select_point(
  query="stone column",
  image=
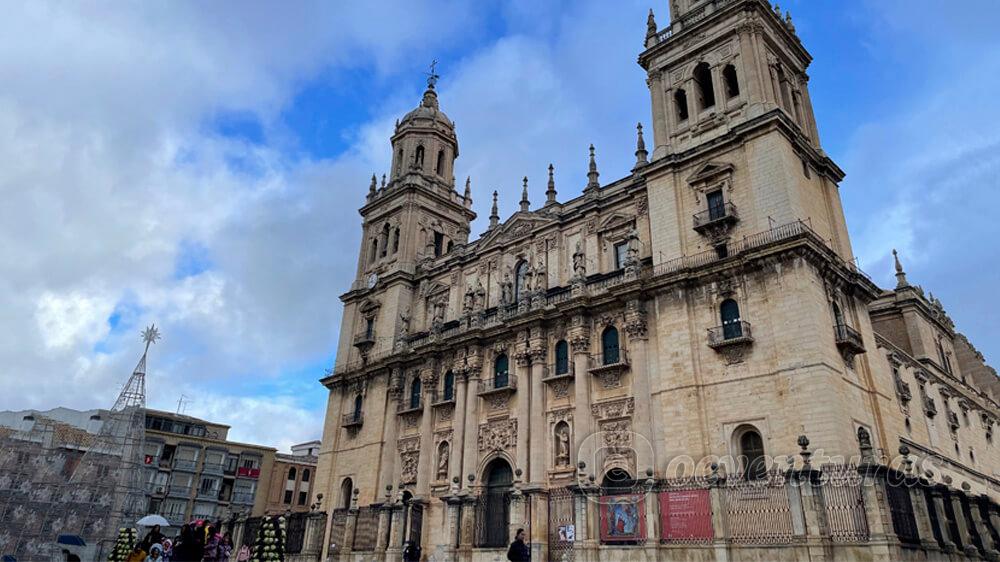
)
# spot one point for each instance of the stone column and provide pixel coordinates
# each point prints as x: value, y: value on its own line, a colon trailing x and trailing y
x: 754, y: 69
x: 656, y: 91
x: 470, y: 446
x: 426, y: 435
x: 397, y: 517
x: 882, y: 537
x: 536, y: 430
x: 720, y: 532
x: 989, y: 545
x: 921, y: 514
x: 384, y: 521
x: 962, y: 524
x: 453, y: 508
x: 518, y: 503
x: 467, y: 523
x: 804, y: 485
x: 583, y: 427
x: 350, y: 526
x: 389, y: 433
x: 938, y: 494
x: 636, y: 328
x: 458, y: 429
x: 523, y: 360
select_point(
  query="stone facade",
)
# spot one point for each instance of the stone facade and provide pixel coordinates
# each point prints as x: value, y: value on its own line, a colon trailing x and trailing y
x: 704, y: 310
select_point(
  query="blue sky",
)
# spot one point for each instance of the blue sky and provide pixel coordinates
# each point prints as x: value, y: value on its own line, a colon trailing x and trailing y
x: 200, y: 166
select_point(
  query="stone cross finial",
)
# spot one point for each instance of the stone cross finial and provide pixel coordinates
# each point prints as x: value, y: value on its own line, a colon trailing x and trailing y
x: 550, y: 193
x: 432, y: 77
x: 373, y: 187
x: 468, y: 190
x: 525, y: 204
x: 900, y: 274
x: 650, y: 24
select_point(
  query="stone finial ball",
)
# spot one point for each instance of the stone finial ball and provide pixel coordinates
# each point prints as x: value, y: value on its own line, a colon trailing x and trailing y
x: 904, y: 450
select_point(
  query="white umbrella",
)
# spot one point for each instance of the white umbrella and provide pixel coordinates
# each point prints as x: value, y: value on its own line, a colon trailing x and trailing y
x: 150, y: 520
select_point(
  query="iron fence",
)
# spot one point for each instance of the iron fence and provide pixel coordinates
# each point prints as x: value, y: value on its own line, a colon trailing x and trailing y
x: 845, y: 504
x: 904, y: 522
x: 758, y: 510
x: 492, y: 518
x: 337, y: 528
x: 562, y: 527
x: 366, y: 529
x: 250, y: 529
x: 295, y: 533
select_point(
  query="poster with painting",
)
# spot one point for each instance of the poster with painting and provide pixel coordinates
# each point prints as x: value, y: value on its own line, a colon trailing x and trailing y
x: 567, y: 533
x: 623, y: 518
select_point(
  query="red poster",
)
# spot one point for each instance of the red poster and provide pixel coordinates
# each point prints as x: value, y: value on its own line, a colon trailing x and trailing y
x: 623, y: 518
x: 686, y: 515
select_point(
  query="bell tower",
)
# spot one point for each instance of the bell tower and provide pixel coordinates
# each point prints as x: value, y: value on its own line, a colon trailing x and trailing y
x: 732, y: 117
x: 411, y: 219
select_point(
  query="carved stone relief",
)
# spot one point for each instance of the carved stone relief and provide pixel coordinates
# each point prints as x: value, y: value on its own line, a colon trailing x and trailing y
x: 497, y: 435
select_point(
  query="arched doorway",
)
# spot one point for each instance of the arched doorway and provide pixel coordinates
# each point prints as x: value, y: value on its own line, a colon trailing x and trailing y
x: 617, y: 481
x: 346, y: 489
x: 493, y: 513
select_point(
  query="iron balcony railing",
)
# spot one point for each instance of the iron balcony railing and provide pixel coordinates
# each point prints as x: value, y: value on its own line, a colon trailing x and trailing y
x: 716, y: 214
x: 353, y: 419
x: 243, y: 497
x: 499, y: 383
x: 730, y: 333
x: 610, y: 358
x: 213, y: 468
x: 177, y: 490
x: 184, y: 464
x: 364, y: 339
x: 556, y: 370
x: 411, y: 404
x: 848, y: 337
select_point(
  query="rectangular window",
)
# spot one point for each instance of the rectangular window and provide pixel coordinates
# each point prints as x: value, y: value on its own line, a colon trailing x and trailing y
x: 716, y: 205
x: 621, y: 251
x: 722, y: 251
x: 303, y: 497
x: 288, y: 496
x: 438, y: 243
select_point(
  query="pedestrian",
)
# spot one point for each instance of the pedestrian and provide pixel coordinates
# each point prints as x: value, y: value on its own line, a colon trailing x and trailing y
x: 226, y: 547
x: 154, y: 536
x: 137, y: 554
x: 519, y: 551
x: 213, y: 545
x: 155, y: 553
x: 411, y: 552
x: 168, y: 550
x: 243, y: 555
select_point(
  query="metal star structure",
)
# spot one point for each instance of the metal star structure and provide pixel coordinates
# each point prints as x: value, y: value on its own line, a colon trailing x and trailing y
x: 150, y: 335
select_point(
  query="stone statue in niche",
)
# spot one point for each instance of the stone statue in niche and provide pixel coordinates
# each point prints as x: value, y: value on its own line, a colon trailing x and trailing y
x: 506, y: 289
x: 404, y: 322
x: 479, y: 300
x: 541, y: 277
x: 562, y: 445
x: 442, y: 465
x: 469, y: 301
x: 579, y: 262
x: 632, y: 253
x: 438, y: 312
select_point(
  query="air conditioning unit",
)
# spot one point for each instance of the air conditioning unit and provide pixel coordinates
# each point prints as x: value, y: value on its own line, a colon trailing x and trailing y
x: 159, y: 490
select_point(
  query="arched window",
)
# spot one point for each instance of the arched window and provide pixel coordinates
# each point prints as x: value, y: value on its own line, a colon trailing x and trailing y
x: 291, y: 474
x: 617, y: 481
x: 374, y: 252
x: 358, y: 401
x: 751, y: 446
x: 305, y: 474
x: 498, y: 478
x: 729, y: 312
x: 346, y: 489
x: 418, y: 158
x: 399, y: 162
x: 520, y: 275
x: 395, y: 240
x: 440, y: 163
x: 681, y: 104
x: 562, y: 357
x: 782, y: 88
x: 448, y: 248
x: 384, y: 239
x: 610, y: 351
x: 501, y: 371
x: 449, y: 386
x: 415, y: 393
x: 703, y: 80
x: 732, y: 83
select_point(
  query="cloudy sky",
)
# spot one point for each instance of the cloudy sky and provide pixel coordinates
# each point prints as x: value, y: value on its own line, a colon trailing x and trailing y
x: 200, y: 166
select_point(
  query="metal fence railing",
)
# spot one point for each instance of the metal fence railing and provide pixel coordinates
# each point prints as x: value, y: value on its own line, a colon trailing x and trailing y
x: 845, y: 505
x: 758, y: 511
x: 366, y: 529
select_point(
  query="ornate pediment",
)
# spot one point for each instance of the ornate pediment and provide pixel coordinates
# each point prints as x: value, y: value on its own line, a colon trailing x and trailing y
x: 430, y: 288
x: 711, y: 172
x: 369, y: 306
x: 521, y: 225
x: 617, y: 221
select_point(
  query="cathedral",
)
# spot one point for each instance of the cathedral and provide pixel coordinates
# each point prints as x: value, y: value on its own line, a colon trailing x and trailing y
x: 682, y: 363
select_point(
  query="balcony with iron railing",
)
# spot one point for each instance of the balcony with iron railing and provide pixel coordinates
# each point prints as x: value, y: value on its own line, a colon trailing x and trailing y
x: 559, y: 371
x: 213, y: 467
x: 211, y: 494
x: 716, y: 216
x: 410, y: 404
x: 352, y: 420
x: 497, y: 384
x: 608, y: 360
x: 177, y: 490
x: 443, y: 399
x: 245, y: 498
x: 364, y: 340
x: 732, y: 333
x: 188, y: 465
x: 848, y: 339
